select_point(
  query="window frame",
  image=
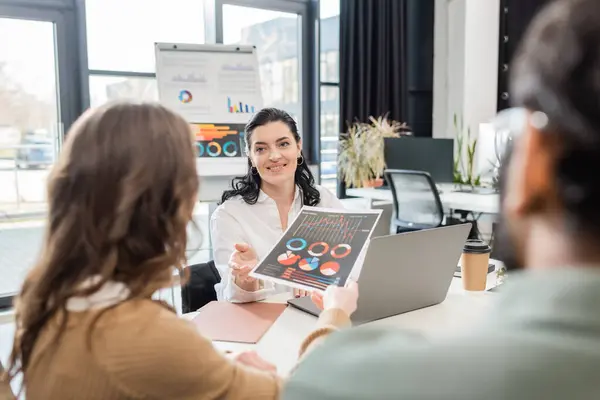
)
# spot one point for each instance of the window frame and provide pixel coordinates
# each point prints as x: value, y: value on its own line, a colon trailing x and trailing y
x: 322, y: 84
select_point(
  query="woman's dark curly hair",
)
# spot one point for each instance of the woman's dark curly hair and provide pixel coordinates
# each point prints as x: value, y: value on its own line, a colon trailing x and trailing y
x: 248, y: 186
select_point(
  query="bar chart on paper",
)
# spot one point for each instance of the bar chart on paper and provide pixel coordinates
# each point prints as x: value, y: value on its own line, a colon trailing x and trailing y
x: 319, y: 249
x: 339, y: 228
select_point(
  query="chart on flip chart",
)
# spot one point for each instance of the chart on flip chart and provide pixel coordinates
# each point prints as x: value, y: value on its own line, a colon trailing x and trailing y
x: 219, y: 140
x: 216, y: 88
x: 320, y: 248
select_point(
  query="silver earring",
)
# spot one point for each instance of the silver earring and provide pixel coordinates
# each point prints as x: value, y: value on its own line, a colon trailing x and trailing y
x: 301, y: 160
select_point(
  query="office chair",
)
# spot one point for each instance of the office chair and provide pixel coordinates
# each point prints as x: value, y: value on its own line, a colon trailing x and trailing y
x: 417, y: 203
x: 200, y: 288
x: 383, y: 227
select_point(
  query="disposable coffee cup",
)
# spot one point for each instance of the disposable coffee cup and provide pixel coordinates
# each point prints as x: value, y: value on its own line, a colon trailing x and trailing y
x: 474, y: 265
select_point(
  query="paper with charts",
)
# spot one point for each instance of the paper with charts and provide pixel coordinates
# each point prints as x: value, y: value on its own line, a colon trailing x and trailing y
x: 320, y: 248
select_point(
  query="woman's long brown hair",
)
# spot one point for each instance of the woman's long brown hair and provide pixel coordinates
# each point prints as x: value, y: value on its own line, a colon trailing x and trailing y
x: 120, y: 198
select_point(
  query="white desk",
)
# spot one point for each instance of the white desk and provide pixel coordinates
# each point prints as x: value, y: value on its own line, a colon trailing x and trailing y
x: 281, y: 342
x: 481, y: 203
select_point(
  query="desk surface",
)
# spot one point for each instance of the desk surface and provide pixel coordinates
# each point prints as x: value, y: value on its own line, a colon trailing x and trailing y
x: 282, y: 341
x: 481, y: 203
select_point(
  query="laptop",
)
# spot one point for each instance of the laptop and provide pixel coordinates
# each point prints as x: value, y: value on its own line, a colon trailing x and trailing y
x: 404, y: 272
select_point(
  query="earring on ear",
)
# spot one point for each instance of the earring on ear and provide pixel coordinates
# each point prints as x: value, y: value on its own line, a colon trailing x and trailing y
x: 301, y: 160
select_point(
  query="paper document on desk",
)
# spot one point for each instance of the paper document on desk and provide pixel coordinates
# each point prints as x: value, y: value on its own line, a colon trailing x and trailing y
x: 320, y: 248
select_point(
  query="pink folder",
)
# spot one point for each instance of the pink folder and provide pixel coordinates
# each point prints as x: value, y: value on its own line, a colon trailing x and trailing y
x: 242, y: 323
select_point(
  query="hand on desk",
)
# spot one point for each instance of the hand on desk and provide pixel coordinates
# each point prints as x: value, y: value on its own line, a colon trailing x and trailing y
x: 344, y: 298
x: 252, y: 359
x: 241, y: 262
x: 300, y: 293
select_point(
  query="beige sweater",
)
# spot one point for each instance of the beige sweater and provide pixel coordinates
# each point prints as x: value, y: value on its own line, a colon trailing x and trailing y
x: 140, y: 350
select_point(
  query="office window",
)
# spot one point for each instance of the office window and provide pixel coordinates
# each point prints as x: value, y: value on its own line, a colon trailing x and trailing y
x: 290, y: 81
x: 30, y: 121
x: 120, y: 43
x: 29, y: 113
x: 275, y: 81
x: 121, y: 33
x: 277, y: 37
x: 108, y: 88
x: 330, y: 122
x: 330, y: 70
x: 329, y: 93
x: 268, y: 88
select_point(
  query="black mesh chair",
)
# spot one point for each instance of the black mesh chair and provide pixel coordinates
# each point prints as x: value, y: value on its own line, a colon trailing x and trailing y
x: 417, y: 203
x: 200, y: 289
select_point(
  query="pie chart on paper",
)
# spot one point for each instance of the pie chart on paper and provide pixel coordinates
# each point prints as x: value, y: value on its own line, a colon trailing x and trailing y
x: 309, y: 264
x: 330, y: 268
x: 288, y: 258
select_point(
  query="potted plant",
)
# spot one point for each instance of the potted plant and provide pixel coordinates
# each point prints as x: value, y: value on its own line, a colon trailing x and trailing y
x: 361, y: 159
x: 464, y: 177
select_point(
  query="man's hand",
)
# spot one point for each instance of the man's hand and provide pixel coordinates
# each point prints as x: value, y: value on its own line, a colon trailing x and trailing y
x: 343, y: 298
x: 300, y: 293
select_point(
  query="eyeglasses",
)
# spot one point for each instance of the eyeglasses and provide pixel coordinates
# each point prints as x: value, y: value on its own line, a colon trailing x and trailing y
x: 511, y: 123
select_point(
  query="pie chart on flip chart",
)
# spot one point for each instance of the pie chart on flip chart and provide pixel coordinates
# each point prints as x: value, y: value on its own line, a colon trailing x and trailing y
x: 330, y: 268
x: 288, y: 258
x: 309, y: 264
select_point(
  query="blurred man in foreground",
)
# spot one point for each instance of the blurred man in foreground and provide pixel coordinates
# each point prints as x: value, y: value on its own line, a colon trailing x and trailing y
x: 542, y: 341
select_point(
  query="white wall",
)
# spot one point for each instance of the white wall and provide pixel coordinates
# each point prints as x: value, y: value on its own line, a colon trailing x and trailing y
x: 465, y: 63
x: 481, y: 61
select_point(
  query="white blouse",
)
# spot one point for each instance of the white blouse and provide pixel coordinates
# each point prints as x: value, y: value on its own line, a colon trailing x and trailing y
x: 258, y: 225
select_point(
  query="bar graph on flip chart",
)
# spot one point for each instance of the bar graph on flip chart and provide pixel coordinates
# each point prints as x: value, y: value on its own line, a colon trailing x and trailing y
x: 320, y: 248
x: 234, y: 107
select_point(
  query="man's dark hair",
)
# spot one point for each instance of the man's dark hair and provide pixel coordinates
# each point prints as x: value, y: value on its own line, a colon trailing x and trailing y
x: 557, y: 72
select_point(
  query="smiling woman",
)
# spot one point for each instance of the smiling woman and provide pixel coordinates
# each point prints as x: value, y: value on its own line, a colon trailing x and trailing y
x: 275, y: 160
x: 255, y: 213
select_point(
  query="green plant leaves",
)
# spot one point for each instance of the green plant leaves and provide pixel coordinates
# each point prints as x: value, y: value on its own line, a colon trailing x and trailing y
x: 361, y: 156
x: 461, y: 174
